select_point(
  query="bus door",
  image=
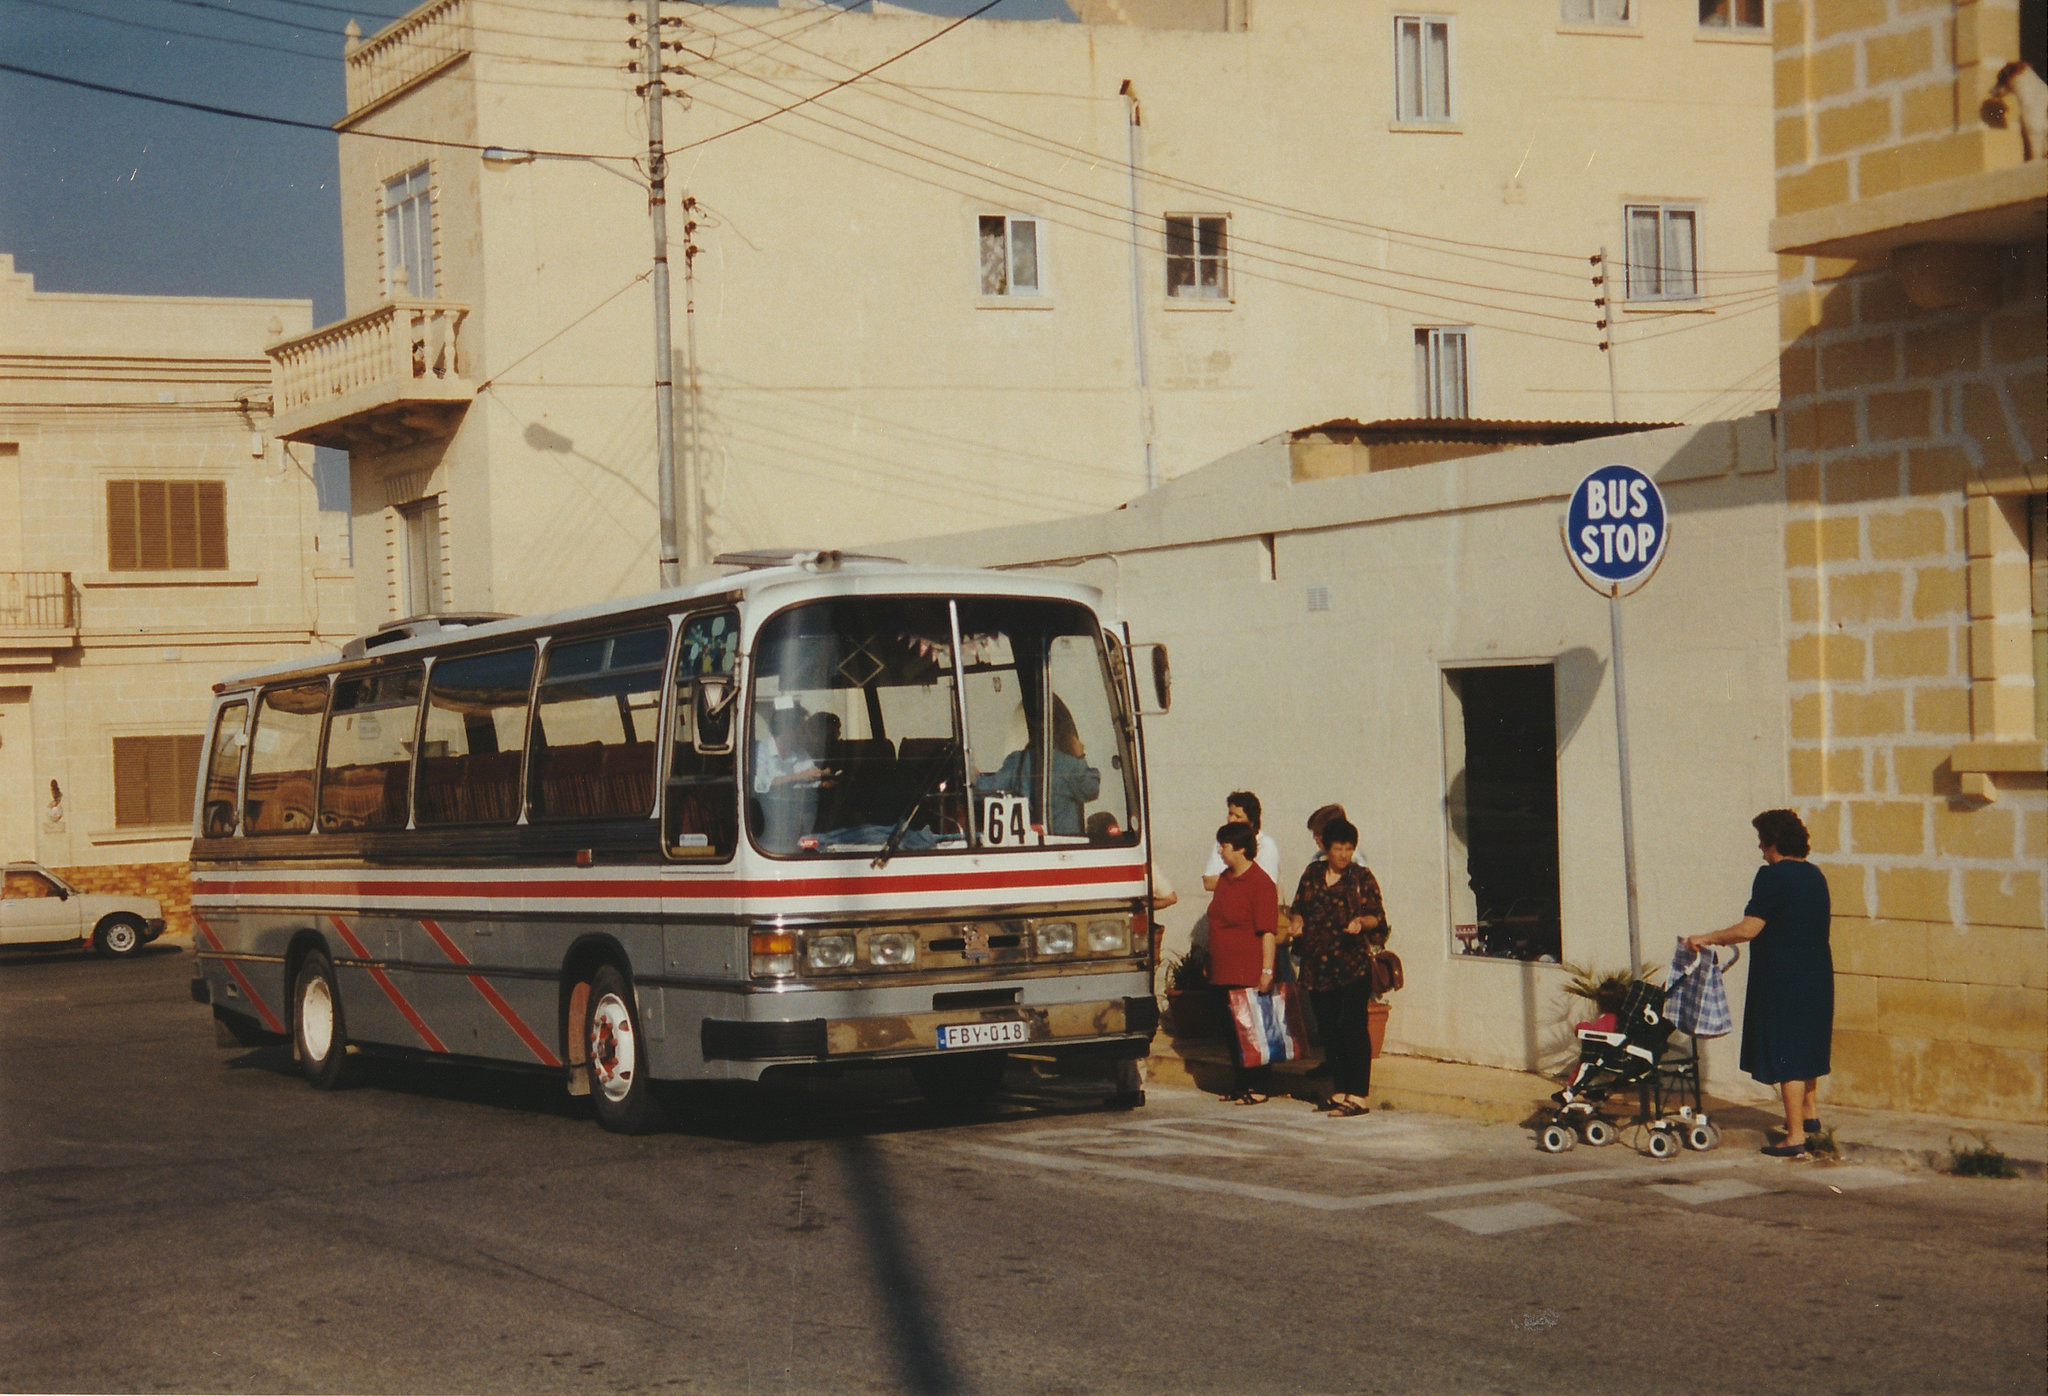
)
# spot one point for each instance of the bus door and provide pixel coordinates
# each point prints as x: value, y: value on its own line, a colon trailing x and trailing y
x: 700, y: 800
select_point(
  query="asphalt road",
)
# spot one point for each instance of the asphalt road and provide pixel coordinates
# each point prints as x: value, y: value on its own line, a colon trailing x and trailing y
x: 176, y: 1217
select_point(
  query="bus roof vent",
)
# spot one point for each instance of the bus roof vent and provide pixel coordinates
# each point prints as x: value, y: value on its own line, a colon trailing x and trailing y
x: 415, y: 627
x: 810, y: 559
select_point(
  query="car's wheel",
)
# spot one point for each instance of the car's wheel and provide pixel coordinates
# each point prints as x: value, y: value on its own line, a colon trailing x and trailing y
x: 1556, y: 1139
x: 958, y: 1084
x: 118, y: 936
x: 1662, y: 1143
x: 1598, y: 1133
x: 619, y: 1084
x: 319, y: 1034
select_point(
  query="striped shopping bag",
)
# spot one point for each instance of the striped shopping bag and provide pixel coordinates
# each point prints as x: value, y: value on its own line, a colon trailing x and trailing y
x: 1268, y: 1026
x: 1697, y: 1002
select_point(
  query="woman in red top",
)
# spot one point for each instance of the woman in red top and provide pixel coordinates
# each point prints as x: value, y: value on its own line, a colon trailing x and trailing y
x: 1244, y: 918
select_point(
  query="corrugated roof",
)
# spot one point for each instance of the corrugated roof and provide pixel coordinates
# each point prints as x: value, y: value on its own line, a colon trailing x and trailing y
x: 1390, y: 431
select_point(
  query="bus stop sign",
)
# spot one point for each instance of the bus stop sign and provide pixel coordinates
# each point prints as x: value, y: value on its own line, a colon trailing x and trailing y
x: 1616, y: 529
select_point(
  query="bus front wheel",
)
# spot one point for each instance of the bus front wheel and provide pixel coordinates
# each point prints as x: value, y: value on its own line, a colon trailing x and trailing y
x: 619, y: 1085
x: 956, y: 1084
x: 318, y: 1032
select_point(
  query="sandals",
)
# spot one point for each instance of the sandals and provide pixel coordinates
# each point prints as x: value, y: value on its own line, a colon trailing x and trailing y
x: 1785, y: 1151
x: 1247, y: 1097
x: 1345, y: 1110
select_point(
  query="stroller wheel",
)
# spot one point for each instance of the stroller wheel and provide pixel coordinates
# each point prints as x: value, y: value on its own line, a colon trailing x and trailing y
x: 1556, y: 1139
x: 1663, y: 1143
x: 1597, y: 1132
x: 1702, y: 1137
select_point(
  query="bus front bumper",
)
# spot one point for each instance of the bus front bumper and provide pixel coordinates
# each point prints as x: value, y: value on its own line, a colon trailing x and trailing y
x: 1026, y: 1027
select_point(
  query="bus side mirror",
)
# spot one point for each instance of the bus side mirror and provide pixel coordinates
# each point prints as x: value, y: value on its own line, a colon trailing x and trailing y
x: 711, y: 715
x: 1153, y: 659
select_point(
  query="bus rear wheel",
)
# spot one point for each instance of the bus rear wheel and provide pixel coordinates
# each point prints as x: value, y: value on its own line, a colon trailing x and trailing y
x: 959, y: 1084
x: 319, y: 1036
x: 619, y: 1084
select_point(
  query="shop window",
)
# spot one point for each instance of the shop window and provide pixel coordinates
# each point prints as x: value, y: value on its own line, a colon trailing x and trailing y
x: 1500, y: 770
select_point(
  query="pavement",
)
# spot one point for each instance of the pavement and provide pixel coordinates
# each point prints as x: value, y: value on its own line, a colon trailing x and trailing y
x: 1494, y: 1095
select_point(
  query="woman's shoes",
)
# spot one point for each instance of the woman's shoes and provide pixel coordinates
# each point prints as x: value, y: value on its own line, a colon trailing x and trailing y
x: 1812, y: 1126
x: 1246, y: 1098
x: 1789, y: 1151
x: 1346, y: 1109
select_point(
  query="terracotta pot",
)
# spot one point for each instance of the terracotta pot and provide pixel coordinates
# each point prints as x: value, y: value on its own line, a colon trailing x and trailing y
x: 1376, y: 1023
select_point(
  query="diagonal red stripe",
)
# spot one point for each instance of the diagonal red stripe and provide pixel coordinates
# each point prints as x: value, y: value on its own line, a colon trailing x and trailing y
x: 419, y: 1024
x: 269, y: 1019
x: 491, y: 996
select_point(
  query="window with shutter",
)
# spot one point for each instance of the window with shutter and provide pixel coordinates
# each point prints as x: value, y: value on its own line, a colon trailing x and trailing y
x: 154, y: 779
x: 166, y: 525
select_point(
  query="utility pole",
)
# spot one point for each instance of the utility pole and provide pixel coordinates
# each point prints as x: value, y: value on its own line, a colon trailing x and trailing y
x: 664, y: 371
x: 696, y: 544
x: 1603, y: 301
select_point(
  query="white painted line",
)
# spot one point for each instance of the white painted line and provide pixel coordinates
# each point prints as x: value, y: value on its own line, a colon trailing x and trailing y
x: 1330, y: 1202
x: 1504, y: 1216
x: 1709, y: 1190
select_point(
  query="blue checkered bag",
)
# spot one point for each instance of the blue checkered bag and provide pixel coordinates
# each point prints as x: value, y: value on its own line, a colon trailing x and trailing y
x: 1696, y: 1001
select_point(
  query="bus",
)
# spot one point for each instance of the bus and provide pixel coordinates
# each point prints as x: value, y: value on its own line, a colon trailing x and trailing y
x: 823, y: 811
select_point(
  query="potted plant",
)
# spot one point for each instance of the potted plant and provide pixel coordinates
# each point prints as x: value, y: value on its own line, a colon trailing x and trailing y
x: 1191, y: 1008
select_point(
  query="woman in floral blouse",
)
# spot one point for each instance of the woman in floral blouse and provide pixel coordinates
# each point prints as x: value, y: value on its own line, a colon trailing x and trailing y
x: 1339, y: 923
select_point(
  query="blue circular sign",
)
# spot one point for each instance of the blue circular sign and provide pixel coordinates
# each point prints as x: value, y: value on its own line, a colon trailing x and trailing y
x: 1616, y: 527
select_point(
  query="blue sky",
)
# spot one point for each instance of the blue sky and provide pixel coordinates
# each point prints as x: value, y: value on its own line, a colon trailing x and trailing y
x: 103, y: 193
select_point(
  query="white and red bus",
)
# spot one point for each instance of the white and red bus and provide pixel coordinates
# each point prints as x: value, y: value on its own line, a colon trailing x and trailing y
x: 822, y: 810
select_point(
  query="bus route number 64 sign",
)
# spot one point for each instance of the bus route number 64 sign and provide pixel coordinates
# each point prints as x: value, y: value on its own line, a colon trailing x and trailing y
x: 1616, y: 529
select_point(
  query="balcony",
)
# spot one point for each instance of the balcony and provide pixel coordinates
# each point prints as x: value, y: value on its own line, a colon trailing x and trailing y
x: 394, y: 377
x: 435, y: 36
x: 38, y: 616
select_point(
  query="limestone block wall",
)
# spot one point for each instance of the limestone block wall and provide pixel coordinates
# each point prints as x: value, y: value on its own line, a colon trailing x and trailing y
x: 1912, y: 438
x: 169, y: 883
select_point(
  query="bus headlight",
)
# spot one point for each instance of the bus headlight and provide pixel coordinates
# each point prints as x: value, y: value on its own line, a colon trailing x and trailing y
x: 892, y: 948
x: 773, y: 953
x: 1056, y: 938
x: 1109, y: 937
x: 828, y: 952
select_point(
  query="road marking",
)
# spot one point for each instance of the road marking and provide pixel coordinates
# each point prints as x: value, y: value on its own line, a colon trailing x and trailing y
x: 1327, y: 1202
x: 1504, y: 1216
x: 1709, y: 1190
x: 1236, y: 1138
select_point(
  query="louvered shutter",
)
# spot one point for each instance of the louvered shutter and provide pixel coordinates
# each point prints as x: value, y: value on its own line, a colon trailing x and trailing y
x: 123, y: 553
x: 131, y: 781
x: 213, y: 524
x: 152, y: 510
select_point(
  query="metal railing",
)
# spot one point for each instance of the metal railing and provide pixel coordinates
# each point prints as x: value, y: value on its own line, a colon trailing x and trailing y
x: 37, y: 601
x: 408, y: 50
x: 401, y: 341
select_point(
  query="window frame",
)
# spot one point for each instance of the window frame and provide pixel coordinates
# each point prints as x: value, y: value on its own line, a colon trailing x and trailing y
x: 208, y: 758
x: 409, y: 572
x: 1428, y: 387
x: 1664, y: 209
x: 254, y: 729
x: 1226, y: 284
x: 1011, y: 288
x: 175, y: 819
x: 207, y: 496
x: 1454, y: 706
x: 532, y: 771
x: 1422, y: 119
x: 1733, y: 24
x: 414, y: 187
x: 1630, y: 22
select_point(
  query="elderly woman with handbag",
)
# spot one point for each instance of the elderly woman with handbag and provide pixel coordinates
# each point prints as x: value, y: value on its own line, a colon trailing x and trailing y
x: 1339, y: 923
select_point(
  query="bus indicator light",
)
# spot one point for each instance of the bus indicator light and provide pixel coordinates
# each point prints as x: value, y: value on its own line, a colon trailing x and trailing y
x: 774, y: 953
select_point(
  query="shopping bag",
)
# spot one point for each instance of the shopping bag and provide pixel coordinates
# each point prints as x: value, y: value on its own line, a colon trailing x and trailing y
x: 1268, y: 1026
x: 1697, y: 1001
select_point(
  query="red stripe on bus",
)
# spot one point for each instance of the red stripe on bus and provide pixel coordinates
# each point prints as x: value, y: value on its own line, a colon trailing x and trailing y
x: 419, y: 1024
x: 589, y: 890
x: 269, y: 1018
x: 491, y: 996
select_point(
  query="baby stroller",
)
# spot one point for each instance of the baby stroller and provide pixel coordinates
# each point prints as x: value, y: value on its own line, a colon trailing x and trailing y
x: 1636, y: 1055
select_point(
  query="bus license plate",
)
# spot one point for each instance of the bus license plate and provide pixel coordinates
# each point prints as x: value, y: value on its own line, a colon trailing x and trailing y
x: 982, y: 1034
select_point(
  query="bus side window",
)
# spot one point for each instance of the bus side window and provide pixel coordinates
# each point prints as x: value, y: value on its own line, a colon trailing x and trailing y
x: 364, y: 781
x: 279, y: 799
x: 224, y: 771
x: 473, y: 738
x: 700, y: 808
x: 593, y: 732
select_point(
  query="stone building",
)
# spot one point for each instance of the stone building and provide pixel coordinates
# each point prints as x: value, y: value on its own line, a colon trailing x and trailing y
x: 1020, y: 270
x: 1910, y: 231
x: 154, y: 537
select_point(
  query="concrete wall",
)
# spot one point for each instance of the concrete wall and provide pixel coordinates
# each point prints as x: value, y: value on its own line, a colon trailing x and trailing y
x: 1913, y: 437
x: 850, y: 376
x: 99, y: 388
x: 1445, y: 565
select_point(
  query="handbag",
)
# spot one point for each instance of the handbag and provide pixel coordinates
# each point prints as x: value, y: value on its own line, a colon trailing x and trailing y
x: 1697, y: 1001
x: 1268, y: 1026
x: 1386, y: 972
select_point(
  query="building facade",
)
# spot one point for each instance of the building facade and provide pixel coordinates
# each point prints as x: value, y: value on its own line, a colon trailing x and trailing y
x: 1017, y: 271
x: 155, y: 536
x: 1911, y: 239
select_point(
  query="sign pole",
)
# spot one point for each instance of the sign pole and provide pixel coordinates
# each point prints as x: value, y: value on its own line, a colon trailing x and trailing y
x: 1628, y: 819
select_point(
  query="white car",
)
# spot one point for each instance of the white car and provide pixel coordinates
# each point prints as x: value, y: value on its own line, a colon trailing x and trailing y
x: 40, y: 909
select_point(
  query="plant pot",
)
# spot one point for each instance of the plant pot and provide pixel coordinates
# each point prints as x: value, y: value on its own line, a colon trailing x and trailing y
x: 1376, y: 1024
x: 1196, y: 1013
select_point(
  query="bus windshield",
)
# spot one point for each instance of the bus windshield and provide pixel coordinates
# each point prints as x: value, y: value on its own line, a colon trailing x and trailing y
x: 868, y: 730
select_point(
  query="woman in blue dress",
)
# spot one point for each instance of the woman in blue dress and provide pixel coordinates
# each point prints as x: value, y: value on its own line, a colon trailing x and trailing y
x: 1789, y: 1019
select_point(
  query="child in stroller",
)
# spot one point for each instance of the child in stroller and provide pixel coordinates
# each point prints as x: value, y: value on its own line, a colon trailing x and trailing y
x: 1624, y: 1047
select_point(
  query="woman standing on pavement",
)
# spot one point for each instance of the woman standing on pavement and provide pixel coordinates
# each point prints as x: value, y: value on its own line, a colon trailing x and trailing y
x: 1789, y: 1019
x: 1244, y: 916
x: 1337, y: 913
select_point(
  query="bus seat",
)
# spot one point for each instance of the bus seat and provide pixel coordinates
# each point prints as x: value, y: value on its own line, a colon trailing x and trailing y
x: 569, y: 780
x: 629, y: 779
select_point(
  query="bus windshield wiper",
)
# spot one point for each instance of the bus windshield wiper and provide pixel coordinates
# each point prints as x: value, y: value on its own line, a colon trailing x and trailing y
x: 934, y: 764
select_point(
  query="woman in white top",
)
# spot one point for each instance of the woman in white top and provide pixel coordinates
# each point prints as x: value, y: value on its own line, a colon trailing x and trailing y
x: 1244, y: 808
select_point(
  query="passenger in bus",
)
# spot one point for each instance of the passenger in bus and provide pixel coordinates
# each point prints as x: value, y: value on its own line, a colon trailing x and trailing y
x: 1073, y: 781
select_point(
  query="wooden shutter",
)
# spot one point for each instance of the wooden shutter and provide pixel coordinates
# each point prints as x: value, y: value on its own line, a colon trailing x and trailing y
x: 154, y: 778
x: 211, y: 505
x: 123, y: 552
